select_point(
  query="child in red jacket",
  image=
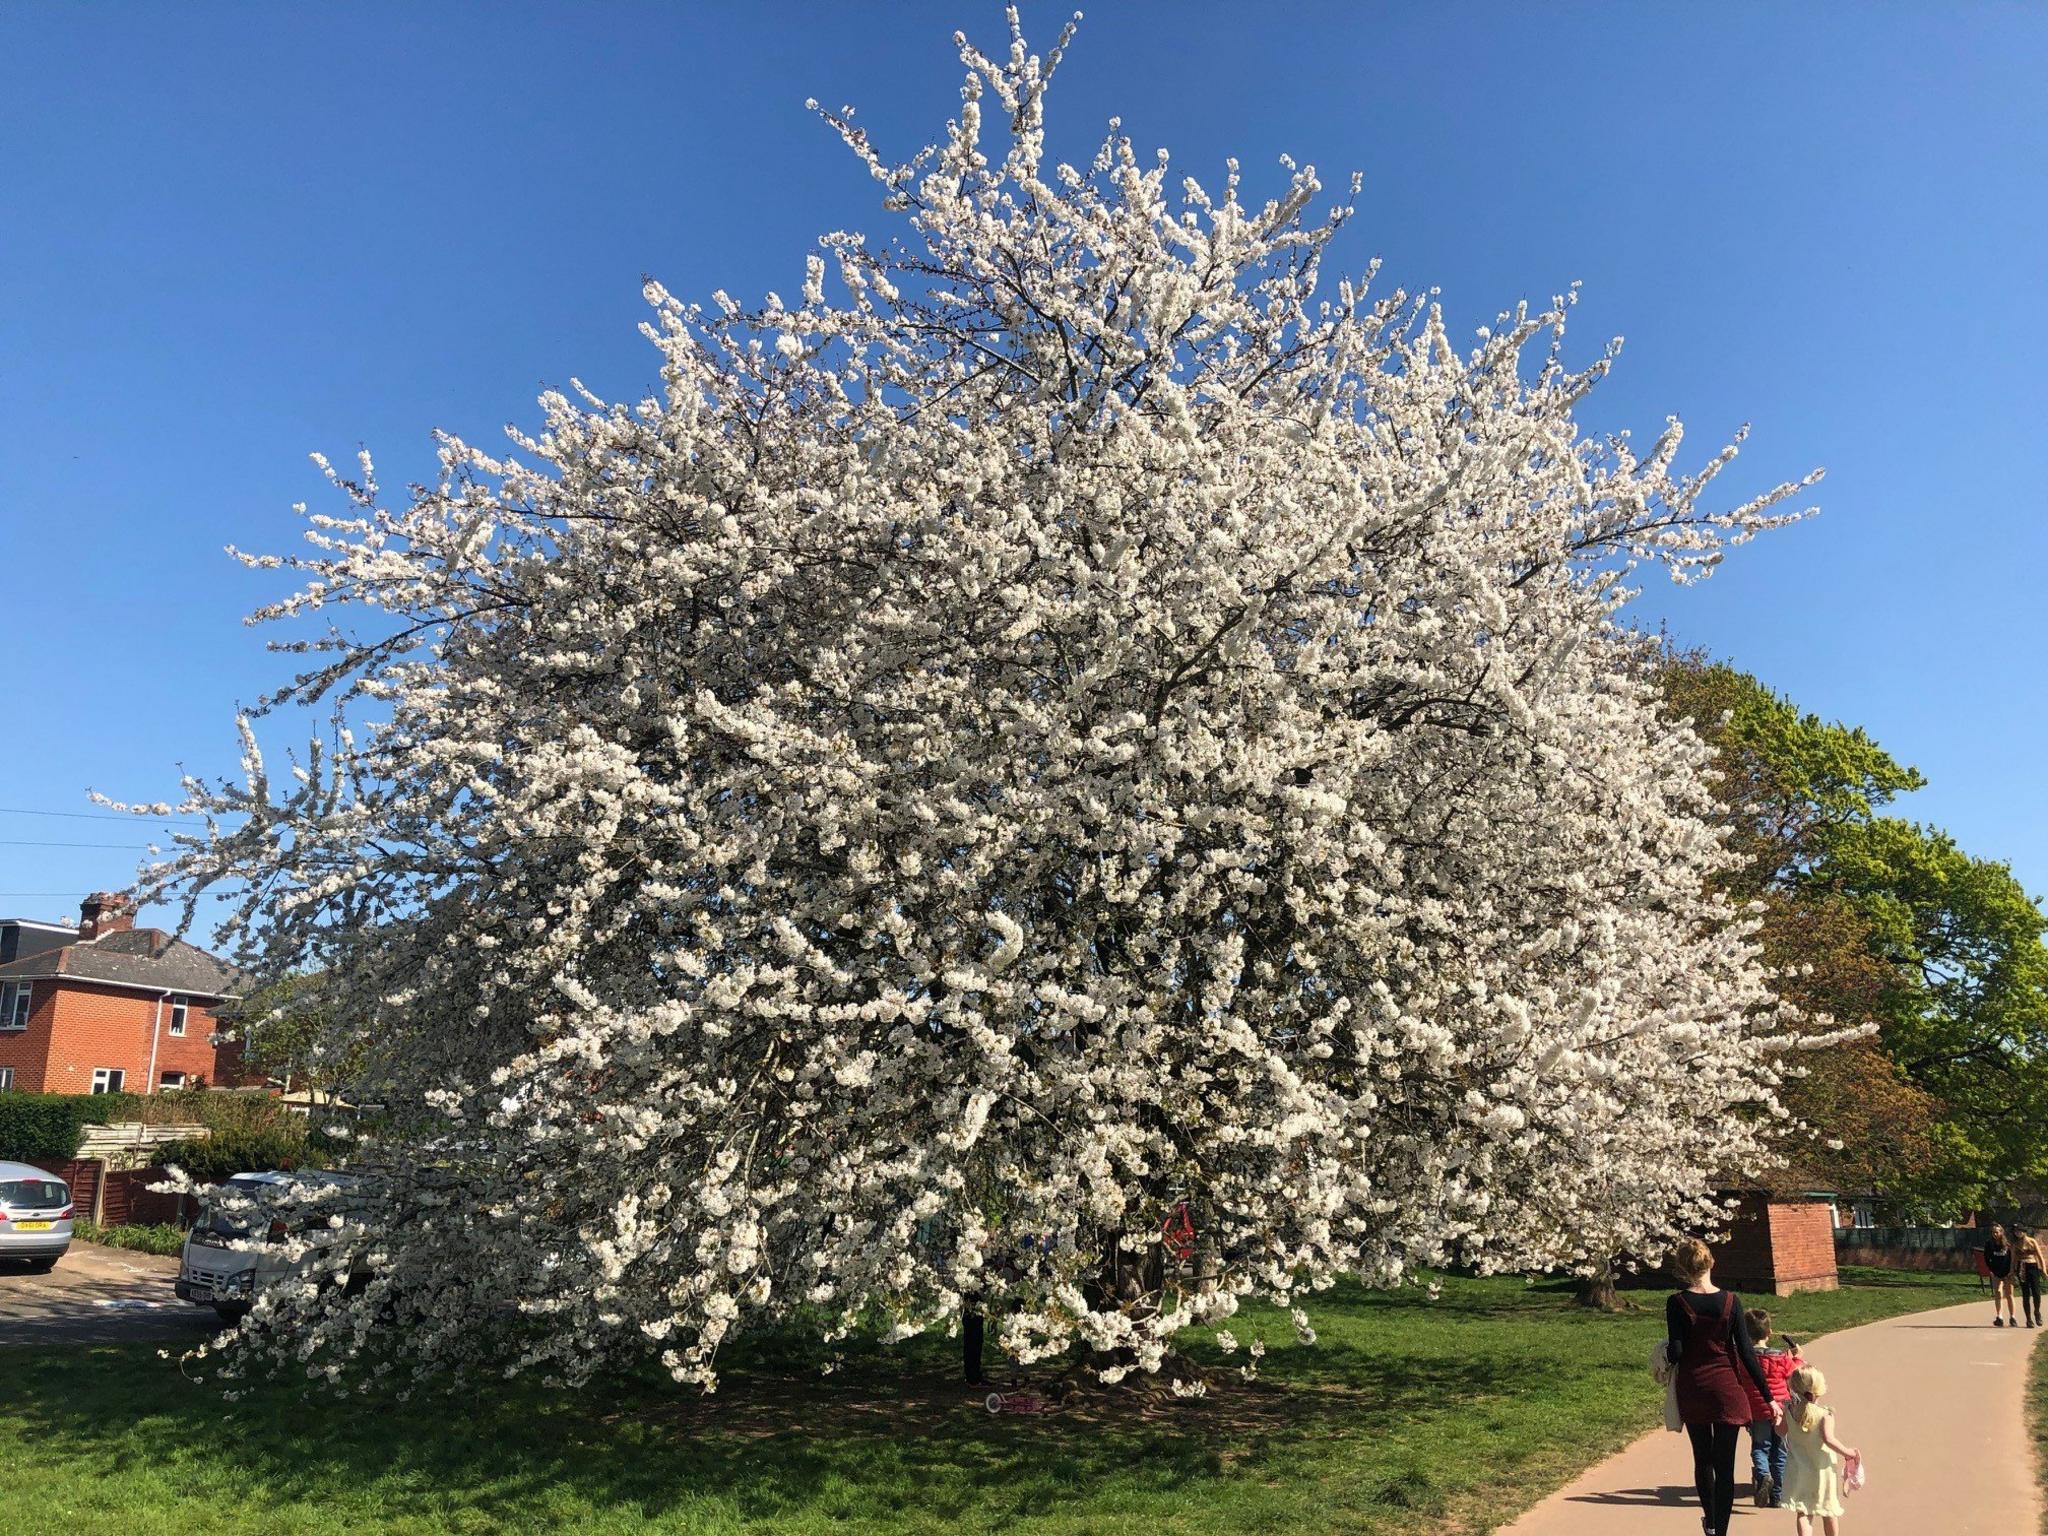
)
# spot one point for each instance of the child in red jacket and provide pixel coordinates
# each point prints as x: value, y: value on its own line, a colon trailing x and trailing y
x: 1766, y: 1441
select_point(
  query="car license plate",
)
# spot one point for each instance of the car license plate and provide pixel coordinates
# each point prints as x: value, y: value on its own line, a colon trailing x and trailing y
x: 33, y: 1226
x: 199, y: 1293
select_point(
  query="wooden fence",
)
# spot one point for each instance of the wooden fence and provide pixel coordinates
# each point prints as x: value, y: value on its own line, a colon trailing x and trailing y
x: 128, y: 1143
x: 127, y: 1200
x: 83, y: 1175
x: 122, y: 1197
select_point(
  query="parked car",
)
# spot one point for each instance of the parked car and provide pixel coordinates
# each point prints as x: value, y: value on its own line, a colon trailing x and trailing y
x: 212, y: 1273
x: 35, y: 1216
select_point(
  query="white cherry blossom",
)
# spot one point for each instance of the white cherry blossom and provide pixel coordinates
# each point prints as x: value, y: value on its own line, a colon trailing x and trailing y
x: 1085, y: 722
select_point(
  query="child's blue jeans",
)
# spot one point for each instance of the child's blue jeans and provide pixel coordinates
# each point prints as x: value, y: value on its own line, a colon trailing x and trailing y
x: 1767, y: 1454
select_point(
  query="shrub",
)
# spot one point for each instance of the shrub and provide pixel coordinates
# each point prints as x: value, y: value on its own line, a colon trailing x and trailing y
x: 41, y: 1127
x: 106, y: 1108
x: 45, y: 1127
x: 243, y: 1149
x: 163, y: 1239
x: 219, y: 1110
x: 247, y: 1130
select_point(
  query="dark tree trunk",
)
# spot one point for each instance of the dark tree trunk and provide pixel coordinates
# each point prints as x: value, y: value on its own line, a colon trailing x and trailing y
x: 1598, y: 1290
x: 972, y: 1327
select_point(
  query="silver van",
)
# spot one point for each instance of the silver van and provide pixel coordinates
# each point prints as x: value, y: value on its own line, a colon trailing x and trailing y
x: 215, y: 1272
x: 35, y: 1216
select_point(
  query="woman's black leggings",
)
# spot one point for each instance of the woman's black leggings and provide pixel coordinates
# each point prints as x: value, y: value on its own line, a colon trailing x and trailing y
x: 1713, y: 1471
x: 2030, y: 1292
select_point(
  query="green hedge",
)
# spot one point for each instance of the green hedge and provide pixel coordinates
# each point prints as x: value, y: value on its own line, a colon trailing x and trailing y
x: 46, y: 1127
x: 249, y: 1130
x: 242, y: 1149
x: 41, y: 1127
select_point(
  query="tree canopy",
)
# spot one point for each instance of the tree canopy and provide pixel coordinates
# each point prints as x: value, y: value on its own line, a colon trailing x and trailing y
x: 1080, y: 731
x: 289, y: 1031
x: 1867, y: 917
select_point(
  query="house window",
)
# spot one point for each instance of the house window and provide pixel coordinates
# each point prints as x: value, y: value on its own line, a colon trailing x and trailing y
x: 108, y: 1079
x: 178, y: 1007
x: 16, y: 998
x: 6, y: 1078
x: 171, y: 1080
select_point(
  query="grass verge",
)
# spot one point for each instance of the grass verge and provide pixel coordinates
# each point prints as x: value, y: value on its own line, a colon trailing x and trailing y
x: 1407, y: 1416
x: 2037, y: 1419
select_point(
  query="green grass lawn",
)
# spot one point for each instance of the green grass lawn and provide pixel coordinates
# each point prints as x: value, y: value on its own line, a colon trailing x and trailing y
x: 2037, y: 1419
x: 1406, y: 1416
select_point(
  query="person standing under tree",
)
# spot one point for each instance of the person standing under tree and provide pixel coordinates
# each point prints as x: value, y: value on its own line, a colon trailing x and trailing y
x: 2032, y: 1263
x: 1707, y: 1340
x: 1998, y: 1263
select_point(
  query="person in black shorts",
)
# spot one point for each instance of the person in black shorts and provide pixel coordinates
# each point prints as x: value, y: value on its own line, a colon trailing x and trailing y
x: 2032, y: 1262
x: 1998, y: 1262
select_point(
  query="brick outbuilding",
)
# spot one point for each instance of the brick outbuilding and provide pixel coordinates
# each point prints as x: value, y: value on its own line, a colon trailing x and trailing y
x: 1779, y: 1241
x: 114, y: 1007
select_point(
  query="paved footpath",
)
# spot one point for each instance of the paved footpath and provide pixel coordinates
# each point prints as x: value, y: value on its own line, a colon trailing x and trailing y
x: 1934, y: 1400
x: 97, y: 1295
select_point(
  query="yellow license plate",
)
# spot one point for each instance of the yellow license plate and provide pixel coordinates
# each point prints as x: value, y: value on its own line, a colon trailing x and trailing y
x: 33, y: 1226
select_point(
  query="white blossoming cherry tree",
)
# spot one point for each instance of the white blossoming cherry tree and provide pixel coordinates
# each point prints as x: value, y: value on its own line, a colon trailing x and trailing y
x: 1077, y: 732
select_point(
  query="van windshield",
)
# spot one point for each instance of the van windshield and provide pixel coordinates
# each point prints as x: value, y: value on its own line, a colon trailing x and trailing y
x: 34, y: 1194
x: 224, y: 1223
x: 221, y: 1224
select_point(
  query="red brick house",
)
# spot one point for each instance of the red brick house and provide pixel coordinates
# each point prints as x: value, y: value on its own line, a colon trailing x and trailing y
x: 111, y: 1007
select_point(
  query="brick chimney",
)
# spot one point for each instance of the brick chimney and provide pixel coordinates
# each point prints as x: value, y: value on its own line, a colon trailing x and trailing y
x: 104, y: 912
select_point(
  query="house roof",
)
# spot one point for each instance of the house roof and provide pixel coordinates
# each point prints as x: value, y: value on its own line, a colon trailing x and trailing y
x: 131, y: 957
x: 1793, y: 1181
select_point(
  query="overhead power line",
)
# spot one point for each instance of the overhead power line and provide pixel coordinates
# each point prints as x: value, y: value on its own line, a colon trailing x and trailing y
x: 22, y: 842
x: 155, y: 821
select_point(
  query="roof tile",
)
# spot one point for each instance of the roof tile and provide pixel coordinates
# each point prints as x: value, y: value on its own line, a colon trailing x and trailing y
x: 136, y: 957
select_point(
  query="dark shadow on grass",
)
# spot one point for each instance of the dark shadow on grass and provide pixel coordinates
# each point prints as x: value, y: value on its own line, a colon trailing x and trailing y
x: 894, y: 1432
x: 767, y: 1446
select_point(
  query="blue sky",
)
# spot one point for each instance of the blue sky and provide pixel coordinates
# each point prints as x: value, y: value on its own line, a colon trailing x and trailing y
x: 233, y: 234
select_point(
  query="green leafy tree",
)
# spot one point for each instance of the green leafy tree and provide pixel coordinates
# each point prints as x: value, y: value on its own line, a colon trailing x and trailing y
x: 289, y: 1032
x: 1868, y: 916
x: 1967, y: 1015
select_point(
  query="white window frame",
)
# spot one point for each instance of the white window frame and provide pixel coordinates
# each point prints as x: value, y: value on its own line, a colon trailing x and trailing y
x: 179, y: 1008
x: 17, y: 999
x: 6, y: 1079
x: 170, y: 1080
x: 109, y: 1079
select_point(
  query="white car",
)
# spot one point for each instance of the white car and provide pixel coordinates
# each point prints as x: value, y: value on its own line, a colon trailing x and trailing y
x: 214, y: 1273
x: 35, y: 1216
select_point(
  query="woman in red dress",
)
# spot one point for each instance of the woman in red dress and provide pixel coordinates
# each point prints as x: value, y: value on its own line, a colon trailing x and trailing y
x: 1708, y: 1341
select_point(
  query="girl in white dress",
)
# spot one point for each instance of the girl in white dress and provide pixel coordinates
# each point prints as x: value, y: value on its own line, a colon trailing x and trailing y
x: 1813, y: 1456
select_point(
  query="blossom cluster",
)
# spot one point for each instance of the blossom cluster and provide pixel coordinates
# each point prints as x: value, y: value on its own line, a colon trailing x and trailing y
x: 1079, y: 721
